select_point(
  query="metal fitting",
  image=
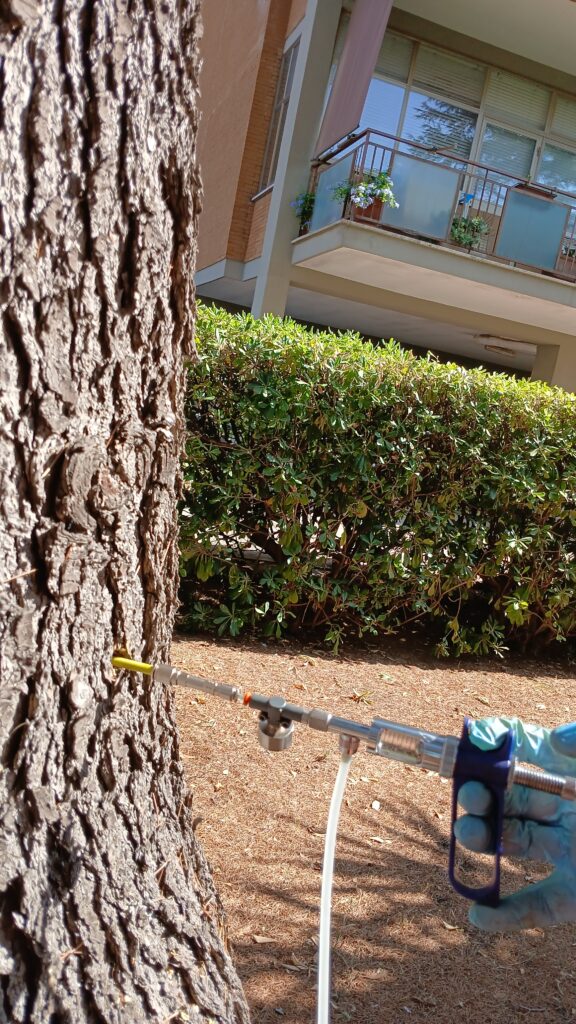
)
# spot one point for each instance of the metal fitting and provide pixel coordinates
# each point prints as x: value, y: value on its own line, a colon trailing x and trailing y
x: 275, y: 735
x: 348, y: 744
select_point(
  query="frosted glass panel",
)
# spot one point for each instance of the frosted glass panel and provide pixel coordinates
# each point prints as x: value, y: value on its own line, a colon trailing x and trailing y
x: 382, y: 107
x: 426, y: 194
x: 531, y: 230
x: 327, y: 210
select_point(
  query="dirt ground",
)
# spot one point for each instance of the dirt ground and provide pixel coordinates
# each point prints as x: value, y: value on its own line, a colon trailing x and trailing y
x: 403, y: 950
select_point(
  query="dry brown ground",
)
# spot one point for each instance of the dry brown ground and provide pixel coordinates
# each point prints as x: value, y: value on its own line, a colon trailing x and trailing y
x: 403, y: 948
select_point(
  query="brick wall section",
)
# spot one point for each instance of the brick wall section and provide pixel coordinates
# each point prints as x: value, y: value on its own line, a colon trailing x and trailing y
x: 297, y: 12
x: 260, y: 210
x: 257, y: 132
x: 235, y: 34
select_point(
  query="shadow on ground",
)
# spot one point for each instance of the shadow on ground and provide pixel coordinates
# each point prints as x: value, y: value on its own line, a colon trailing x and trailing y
x: 403, y: 950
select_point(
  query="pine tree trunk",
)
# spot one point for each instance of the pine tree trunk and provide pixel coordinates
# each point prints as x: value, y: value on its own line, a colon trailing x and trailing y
x: 107, y: 909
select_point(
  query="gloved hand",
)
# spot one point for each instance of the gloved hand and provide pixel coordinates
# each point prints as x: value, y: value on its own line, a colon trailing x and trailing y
x: 536, y: 825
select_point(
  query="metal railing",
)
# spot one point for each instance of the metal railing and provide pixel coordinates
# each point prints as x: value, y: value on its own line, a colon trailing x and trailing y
x: 452, y: 201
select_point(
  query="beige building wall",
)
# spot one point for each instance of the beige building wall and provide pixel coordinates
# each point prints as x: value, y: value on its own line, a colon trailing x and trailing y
x: 297, y: 12
x: 231, y: 46
x: 257, y: 130
x: 241, y: 50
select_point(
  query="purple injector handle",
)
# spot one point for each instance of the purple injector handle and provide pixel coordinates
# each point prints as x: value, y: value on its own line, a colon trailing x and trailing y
x: 493, y: 768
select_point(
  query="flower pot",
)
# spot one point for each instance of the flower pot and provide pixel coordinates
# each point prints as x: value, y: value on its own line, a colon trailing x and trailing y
x: 370, y: 213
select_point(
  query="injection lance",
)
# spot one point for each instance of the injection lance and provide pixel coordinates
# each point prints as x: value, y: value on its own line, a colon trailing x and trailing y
x: 451, y: 757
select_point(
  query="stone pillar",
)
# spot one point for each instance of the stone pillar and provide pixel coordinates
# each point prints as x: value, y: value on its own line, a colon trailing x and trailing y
x: 556, y: 364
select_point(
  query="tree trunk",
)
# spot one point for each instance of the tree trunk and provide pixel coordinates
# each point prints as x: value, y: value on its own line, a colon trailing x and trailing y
x: 108, y: 911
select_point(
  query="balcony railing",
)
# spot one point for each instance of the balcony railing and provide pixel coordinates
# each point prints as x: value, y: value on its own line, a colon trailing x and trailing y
x: 445, y: 199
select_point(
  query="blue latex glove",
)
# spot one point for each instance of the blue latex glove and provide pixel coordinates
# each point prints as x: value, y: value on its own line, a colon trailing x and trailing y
x: 536, y: 825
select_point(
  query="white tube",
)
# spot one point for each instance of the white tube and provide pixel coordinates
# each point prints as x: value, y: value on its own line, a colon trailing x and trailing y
x: 323, y: 1003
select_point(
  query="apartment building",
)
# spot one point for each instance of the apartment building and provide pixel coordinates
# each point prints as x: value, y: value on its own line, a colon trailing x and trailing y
x: 468, y: 108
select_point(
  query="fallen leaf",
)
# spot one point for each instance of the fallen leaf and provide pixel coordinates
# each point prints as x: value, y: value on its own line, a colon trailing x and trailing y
x: 376, y: 839
x: 361, y: 696
x: 450, y: 927
x: 262, y: 939
x: 482, y: 699
x: 299, y: 686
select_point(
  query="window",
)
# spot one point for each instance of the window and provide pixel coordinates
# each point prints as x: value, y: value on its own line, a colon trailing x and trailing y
x: 557, y: 168
x: 507, y: 151
x: 564, y: 119
x: 438, y: 124
x: 395, y: 57
x: 277, y: 121
x: 517, y: 101
x: 452, y: 77
x: 426, y: 95
x: 383, y: 107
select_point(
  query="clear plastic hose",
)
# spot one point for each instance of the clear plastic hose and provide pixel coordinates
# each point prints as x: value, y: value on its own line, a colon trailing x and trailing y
x: 323, y: 1004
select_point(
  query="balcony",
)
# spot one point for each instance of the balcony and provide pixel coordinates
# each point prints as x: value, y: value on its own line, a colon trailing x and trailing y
x: 453, y: 203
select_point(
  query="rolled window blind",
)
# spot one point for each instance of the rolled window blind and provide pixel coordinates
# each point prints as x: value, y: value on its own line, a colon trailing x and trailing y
x: 564, y: 119
x: 517, y: 101
x: 449, y: 76
x: 395, y: 57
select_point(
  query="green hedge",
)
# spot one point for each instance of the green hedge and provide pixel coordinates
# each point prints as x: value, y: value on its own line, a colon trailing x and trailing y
x: 337, y: 487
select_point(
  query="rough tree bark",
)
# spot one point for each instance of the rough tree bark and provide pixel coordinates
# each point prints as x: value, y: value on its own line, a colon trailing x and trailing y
x: 108, y: 912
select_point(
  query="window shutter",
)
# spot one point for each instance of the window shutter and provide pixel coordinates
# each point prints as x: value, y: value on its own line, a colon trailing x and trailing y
x: 564, y: 120
x: 395, y: 58
x: 517, y: 101
x: 441, y: 73
x: 276, y: 126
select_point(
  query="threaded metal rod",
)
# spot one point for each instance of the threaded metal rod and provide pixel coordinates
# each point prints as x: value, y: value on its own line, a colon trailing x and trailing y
x: 547, y: 782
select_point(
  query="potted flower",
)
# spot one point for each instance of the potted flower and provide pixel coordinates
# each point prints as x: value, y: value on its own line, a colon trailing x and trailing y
x: 368, y: 195
x: 467, y: 231
x: 304, y: 207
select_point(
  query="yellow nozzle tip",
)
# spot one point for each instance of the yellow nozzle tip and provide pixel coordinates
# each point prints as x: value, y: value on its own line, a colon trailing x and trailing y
x: 132, y: 666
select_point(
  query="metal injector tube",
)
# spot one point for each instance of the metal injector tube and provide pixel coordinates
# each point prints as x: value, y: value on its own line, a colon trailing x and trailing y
x: 175, y: 677
x: 398, y: 742
x: 436, y: 753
